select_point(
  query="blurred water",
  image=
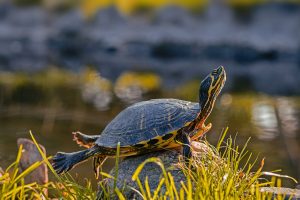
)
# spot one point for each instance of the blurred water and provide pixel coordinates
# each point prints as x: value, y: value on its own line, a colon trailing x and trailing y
x: 271, y: 122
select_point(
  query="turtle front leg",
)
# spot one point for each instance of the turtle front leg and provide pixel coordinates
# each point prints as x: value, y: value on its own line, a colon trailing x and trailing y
x: 184, y: 140
x: 186, y: 148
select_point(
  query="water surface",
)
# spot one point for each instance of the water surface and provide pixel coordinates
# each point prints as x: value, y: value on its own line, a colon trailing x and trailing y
x: 271, y: 122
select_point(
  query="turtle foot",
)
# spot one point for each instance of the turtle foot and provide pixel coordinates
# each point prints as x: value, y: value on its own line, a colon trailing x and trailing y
x: 62, y: 162
x: 82, y: 140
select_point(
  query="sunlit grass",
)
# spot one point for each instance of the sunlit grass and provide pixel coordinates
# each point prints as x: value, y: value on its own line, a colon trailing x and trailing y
x: 225, y: 171
x: 145, y: 81
x: 250, y: 3
x: 12, y: 184
x: 131, y: 6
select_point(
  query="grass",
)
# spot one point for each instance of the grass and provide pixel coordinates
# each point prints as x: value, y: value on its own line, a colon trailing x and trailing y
x: 132, y: 6
x: 225, y: 171
x: 90, y: 7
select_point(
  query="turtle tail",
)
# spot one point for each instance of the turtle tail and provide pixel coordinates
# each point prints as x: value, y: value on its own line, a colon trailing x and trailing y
x: 63, y: 162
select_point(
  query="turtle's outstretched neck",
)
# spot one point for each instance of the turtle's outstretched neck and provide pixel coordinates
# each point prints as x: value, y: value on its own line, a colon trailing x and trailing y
x: 210, y: 88
x: 63, y: 162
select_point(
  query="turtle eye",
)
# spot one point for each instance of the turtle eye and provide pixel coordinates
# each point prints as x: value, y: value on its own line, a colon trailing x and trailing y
x: 214, y: 72
x: 217, y: 71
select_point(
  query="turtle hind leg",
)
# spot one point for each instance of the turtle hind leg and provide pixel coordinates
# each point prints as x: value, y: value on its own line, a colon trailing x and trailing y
x: 84, y: 140
x: 63, y: 162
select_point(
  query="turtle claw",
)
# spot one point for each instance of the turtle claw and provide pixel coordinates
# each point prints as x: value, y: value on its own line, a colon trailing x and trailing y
x: 77, y: 138
x: 58, y: 157
x: 208, y: 127
x: 59, y: 170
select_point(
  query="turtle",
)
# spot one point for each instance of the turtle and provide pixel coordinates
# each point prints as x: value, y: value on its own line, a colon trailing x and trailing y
x: 148, y: 126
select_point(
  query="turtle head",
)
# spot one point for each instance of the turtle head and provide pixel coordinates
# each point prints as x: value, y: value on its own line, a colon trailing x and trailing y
x: 209, y: 90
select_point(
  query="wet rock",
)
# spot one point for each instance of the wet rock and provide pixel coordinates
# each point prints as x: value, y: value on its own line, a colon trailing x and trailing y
x: 173, y: 15
x: 27, y: 17
x: 239, y: 53
x: 225, y: 51
x: 151, y: 170
x: 109, y: 16
x: 169, y: 44
x: 218, y: 10
x: 30, y: 155
x: 70, y: 19
x: 281, y: 22
x: 138, y: 48
x: 22, y: 35
x: 66, y: 41
x: 173, y: 50
x: 5, y: 8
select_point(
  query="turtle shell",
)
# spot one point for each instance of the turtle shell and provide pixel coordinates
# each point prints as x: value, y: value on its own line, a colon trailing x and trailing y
x: 146, y: 120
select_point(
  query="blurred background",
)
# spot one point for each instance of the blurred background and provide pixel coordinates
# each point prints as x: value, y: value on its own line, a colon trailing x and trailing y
x: 70, y: 65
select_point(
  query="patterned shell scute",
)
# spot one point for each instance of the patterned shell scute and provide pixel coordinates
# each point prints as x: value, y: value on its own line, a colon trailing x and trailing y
x: 146, y: 120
